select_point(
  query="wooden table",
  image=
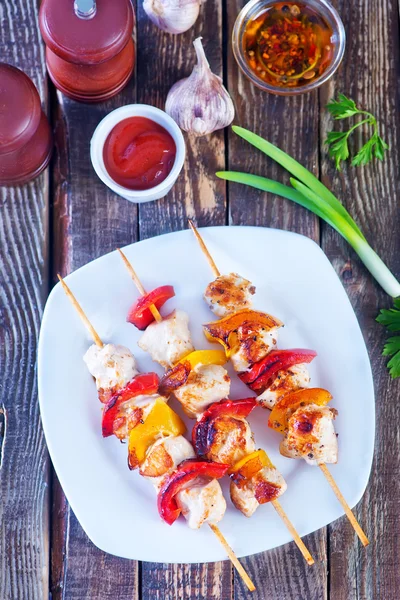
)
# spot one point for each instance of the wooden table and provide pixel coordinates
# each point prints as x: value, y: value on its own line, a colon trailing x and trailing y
x: 67, y: 217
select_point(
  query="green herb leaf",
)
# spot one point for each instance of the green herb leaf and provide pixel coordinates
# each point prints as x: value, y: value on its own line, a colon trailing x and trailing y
x: 364, y: 155
x: 334, y: 136
x: 338, y: 147
x: 390, y: 318
x: 342, y: 108
x: 374, y: 147
x: 392, y: 348
x: 379, y: 148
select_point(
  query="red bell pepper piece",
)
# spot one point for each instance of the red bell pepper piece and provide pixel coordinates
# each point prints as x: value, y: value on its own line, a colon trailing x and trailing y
x: 187, y: 471
x: 202, y: 435
x: 140, y: 314
x: 144, y: 383
x: 261, y: 374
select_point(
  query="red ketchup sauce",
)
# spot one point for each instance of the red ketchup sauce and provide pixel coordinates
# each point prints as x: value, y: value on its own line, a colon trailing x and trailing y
x: 139, y: 153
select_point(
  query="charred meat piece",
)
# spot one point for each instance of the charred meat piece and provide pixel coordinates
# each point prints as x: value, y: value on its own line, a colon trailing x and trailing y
x: 205, y: 385
x: 311, y: 435
x: 229, y: 293
x: 286, y: 381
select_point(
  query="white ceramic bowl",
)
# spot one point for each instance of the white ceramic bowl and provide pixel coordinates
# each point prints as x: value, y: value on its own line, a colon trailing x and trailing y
x: 108, y: 123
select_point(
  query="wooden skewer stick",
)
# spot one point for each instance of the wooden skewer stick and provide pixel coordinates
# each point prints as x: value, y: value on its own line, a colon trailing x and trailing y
x: 297, y: 539
x: 345, y: 506
x: 85, y: 320
x: 323, y: 467
x: 154, y: 310
x: 233, y: 558
x: 300, y: 544
x: 204, y: 248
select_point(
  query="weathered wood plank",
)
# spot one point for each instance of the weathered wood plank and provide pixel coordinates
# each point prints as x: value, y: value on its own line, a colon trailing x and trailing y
x: 211, y: 581
x: 371, y: 193
x: 24, y: 464
x: 88, y: 221
x: 292, y: 124
x: 197, y: 194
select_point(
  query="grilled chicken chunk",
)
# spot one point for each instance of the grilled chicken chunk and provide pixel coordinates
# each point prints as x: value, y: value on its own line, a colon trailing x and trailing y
x: 286, y: 381
x: 112, y: 367
x: 311, y: 435
x: 232, y: 440
x: 163, y: 457
x: 168, y: 341
x: 206, y: 384
x: 252, y: 346
x: 229, y: 293
x: 131, y: 412
x: 266, y: 485
x: 202, y: 503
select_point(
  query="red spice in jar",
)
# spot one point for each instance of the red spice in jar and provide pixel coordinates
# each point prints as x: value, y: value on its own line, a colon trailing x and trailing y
x: 288, y: 45
x: 139, y: 153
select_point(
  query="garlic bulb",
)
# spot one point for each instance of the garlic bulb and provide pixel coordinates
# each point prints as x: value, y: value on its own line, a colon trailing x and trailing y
x: 173, y: 16
x: 200, y: 104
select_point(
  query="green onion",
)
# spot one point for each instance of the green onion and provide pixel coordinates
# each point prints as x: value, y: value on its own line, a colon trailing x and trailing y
x: 296, y: 169
x: 371, y: 260
x: 269, y: 185
x: 313, y: 195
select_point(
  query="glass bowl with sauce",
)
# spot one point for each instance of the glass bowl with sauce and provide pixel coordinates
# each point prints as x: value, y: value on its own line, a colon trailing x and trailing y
x: 288, y: 48
x: 138, y: 151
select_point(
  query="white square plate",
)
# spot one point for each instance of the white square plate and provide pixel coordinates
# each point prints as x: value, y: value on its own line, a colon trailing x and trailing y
x: 296, y: 282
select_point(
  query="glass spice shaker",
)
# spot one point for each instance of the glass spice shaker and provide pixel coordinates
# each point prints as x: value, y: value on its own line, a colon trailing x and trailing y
x: 90, y: 53
x: 25, y: 136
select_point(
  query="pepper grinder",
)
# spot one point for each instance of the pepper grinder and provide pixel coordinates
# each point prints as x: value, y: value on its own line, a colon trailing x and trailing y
x: 90, y: 53
x: 25, y: 137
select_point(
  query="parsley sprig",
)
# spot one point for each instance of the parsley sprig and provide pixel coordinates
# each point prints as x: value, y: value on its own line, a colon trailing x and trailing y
x: 337, y: 141
x: 390, y: 318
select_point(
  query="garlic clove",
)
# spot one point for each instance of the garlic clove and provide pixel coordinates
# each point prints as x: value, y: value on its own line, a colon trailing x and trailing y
x: 172, y: 16
x: 200, y: 103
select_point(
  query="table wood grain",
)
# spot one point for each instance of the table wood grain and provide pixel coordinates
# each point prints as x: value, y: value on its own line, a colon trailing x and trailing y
x: 24, y: 285
x: 67, y: 217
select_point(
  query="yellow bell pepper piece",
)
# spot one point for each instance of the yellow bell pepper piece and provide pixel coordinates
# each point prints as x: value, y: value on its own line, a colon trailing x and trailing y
x: 205, y: 357
x: 161, y: 421
x: 251, y: 464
